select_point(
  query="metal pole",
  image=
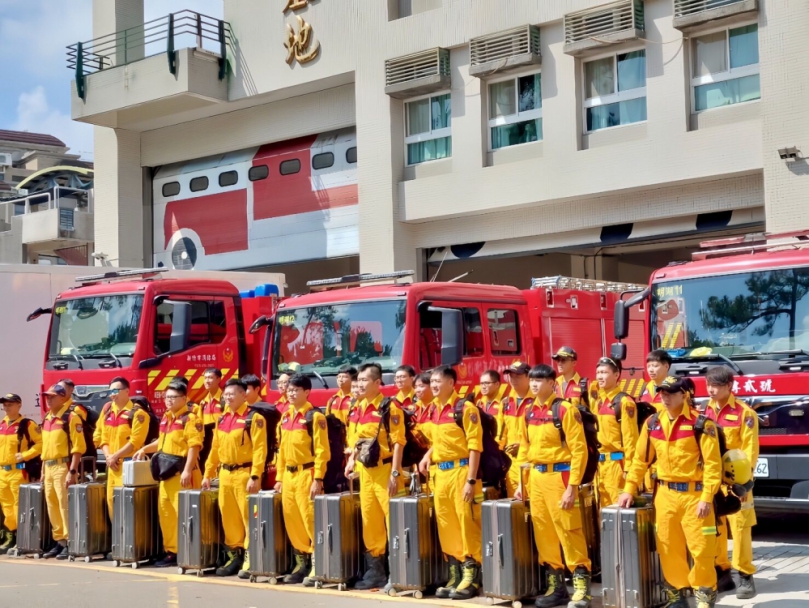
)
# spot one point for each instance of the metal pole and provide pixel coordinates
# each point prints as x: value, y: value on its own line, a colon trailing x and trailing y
x: 170, y: 46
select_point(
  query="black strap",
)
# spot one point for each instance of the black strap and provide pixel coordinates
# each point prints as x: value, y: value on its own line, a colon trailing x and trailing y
x: 615, y: 404
x: 650, y: 425
x: 584, y: 387
x: 557, y: 421
x: 22, y: 432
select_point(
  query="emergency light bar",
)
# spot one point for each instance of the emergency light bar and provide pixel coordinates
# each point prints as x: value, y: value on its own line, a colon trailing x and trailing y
x: 560, y: 282
x: 358, y: 279
x: 146, y: 273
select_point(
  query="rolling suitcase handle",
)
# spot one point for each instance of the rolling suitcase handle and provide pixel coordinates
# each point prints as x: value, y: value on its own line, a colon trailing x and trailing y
x: 94, y: 468
x: 620, y: 583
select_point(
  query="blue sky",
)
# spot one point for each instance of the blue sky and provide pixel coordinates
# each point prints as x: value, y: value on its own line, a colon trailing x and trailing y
x: 33, y: 37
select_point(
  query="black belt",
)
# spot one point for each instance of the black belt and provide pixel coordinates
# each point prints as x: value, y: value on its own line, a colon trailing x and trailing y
x: 302, y: 467
x: 384, y: 461
x: 235, y: 467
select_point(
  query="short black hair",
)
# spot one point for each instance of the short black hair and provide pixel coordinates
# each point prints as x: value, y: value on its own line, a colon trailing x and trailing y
x: 350, y: 370
x: 178, y: 386
x: 423, y: 377
x: 67, y: 382
x: 493, y: 374
x: 181, y: 379
x: 236, y: 382
x: 408, y: 369
x: 301, y: 381
x: 252, y: 380
x: 542, y: 372
x: 661, y: 356
x: 120, y: 379
x: 719, y: 376
x: 142, y: 402
x: 445, y: 371
x: 214, y: 370
x: 377, y: 370
x: 614, y: 365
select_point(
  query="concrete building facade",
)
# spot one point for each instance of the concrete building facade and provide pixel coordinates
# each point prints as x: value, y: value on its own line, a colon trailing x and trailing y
x: 501, y: 138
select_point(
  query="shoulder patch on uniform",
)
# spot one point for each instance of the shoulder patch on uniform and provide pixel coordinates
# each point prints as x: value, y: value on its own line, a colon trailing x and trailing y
x: 199, y: 426
x: 259, y: 423
x: 322, y: 424
x: 395, y: 419
x: 141, y: 418
x: 79, y: 428
x: 711, y: 430
x: 577, y: 415
x: 473, y: 417
x: 750, y: 422
x: 630, y: 411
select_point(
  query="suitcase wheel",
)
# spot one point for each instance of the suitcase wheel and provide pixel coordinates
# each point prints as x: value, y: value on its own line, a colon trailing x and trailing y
x: 516, y: 604
x: 490, y: 601
x: 392, y: 592
x: 418, y: 595
x: 318, y: 584
x: 341, y: 586
x: 135, y: 565
x: 87, y: 559
x: 252, y: 579
x: 37, y: 555
x: 180, y: 570
x: 272, y: 581
x: 71, y: 558
x: 115, y: 563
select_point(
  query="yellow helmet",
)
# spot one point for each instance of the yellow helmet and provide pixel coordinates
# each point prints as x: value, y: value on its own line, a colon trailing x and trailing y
x: 737, y: 472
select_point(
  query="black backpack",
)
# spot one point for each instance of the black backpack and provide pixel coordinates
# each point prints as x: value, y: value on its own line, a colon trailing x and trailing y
x: 138, y: 406
x: 414, y: 449
x: 335, y: 480
x: 590, y: 423
x: 642, y: 409
x: 271, y: 417
x: 32, y: 467
x: 494, y: 462
x: 88, y: 427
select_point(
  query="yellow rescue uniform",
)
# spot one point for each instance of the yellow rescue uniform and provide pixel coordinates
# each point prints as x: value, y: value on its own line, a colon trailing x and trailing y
x: 339, y: 406
x: 209, y: 410
x: 554, y: 467
x: 242, y: 456
x: 739, y: 423
x: 513, y: 422
x: 406, y: 400
x: 121, y: 426
x: 178, y: 434
x: 618, y: 441
x: 459, y: 526
x: 365, y: 423
x: 58, y: 445
x: 21, y: 436
x: 687, y: 474
x: 301, y: 459
x: 569, y: 390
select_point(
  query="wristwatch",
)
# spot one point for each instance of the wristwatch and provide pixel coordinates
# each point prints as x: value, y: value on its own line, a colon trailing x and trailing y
x: 395, y: 473
x: 319, y: 479
x: 73, y: 472
x: 254, y: 477
x: 471, y: 482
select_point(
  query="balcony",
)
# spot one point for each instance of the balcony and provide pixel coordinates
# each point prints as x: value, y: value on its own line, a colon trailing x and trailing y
x: 165, y: 66
x: 603, y: 26
x: 506, y: 51
x: 417, y: 74
x: 690, y: 13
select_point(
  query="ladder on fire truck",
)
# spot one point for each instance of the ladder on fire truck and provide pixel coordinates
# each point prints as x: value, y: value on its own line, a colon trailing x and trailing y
x: 752, y: 243
x: 560, y: 282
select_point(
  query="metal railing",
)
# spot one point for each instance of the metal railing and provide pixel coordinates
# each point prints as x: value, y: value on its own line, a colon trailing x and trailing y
x: 560, y: 282
x: 686, y: 8
x: 603, y: 20
x: 67, y: 200
x: 502, y: 45
x: 183, y: 29
x: 433, y: 62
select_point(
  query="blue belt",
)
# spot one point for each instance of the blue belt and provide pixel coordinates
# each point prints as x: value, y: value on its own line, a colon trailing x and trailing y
x: 448, y: 465
x: 11, y: 467
x: 553, y: 468
x: 613, y: 456
x: 681, y: 486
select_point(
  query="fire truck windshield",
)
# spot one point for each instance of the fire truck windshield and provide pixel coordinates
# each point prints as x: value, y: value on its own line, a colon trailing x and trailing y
x: 322, y: 339
x: 105, y: 326
x: 734, y: 315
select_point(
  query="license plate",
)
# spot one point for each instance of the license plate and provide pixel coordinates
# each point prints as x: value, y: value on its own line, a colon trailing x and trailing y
x: 762, y: 468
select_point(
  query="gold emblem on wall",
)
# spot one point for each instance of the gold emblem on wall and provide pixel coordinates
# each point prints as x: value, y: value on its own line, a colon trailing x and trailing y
x: 294, y: 5
x: 300, y: 46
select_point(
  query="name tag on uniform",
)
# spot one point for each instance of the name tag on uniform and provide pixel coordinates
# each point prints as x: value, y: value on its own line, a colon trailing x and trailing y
x: 686, y: 427
x: 731, y: 417
x: 240, y: 421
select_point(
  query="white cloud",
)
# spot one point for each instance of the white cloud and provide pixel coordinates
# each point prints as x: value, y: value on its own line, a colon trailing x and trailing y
x: 35, y: 114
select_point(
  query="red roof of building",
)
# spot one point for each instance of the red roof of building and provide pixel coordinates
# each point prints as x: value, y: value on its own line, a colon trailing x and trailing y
x: 37, y: 139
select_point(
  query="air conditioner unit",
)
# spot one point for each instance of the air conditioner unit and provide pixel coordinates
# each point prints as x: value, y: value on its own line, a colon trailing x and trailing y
x: 6, y: 160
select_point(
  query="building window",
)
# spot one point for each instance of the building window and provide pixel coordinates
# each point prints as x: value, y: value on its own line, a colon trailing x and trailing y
x: 615, y: 90
x: 351, y: 155
x: 198, y: 184
x: 473, y: 333
x: 258, y: 173
x: 228, y: 178
x: 725, y: 68
x: 504, y: 331
x: 171, y: 189
x: 288, y: 167
x: 515, y: 111
x: 428, y: 133
x: 323, y: 161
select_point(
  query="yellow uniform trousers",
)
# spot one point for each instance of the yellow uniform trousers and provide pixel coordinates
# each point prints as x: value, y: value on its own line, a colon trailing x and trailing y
x: 740, y: 525
x: 56, y: 498
x: 168, y: 507
x: 375, y: 503
x: 513, y: 478
x: 610, y: 481
x: 299, y: 509
x: 233, y: 506
x: 459, y: 527
x: 680, y: 532
x: 554, y: 526
x: 10, y: 482
x: 115, y: 479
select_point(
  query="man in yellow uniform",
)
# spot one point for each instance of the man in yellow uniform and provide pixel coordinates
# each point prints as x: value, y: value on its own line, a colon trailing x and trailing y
x: 380, y: 479
x: 404, y: 378
x: 513, y: 413
x: 209, y: 410
x: 568, y: 383
x: 253, y: 384
x: 126, y: 428
x: 689, y: 468
x: 62, y: 448
x: 176, y: 450
x: 739, y: 423
x: 340, y: 403
x: 617, y: 431
x: 455, y: 456
x: 20, y: 442
x: 302, y: 461
x: 658, y: 364
x: 489, y: 400
x: 240, y: 447
x: 283, y: 383
x: 557, y: 465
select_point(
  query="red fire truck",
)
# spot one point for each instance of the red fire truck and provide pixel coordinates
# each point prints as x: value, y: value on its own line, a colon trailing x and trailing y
x: 743, y: 303
x: 351, y: 320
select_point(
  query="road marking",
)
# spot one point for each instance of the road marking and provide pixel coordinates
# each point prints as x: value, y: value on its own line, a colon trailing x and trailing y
x: 174, y: 596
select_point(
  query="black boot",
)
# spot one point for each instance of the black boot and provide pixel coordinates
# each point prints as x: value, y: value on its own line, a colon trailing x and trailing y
x: 56, y: 549
x: 244, y: 572
x: 300, y: 570
x: 746, y: 588
x: 581, y: 589
x: 454, y: 579
x: 470, y: 581
x: 724, y: 580
x: 557, y: 594
x: 374, y: 577
x: 169, y: 560
x: 235, y: 559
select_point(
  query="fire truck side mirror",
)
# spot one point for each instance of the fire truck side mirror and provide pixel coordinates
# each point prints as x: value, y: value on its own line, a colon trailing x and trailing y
x: 451, y: 335
x: 262, y: 321
x: 621, y: 320
x: 180, y: 327
x: 38, y: 313
x: 618, y: 351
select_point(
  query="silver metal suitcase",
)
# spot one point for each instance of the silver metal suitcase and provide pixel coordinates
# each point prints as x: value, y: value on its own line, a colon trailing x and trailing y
x: 89, y: 533
x: 136, y: 537
x: 199, y: 531
x: 34, y: 533
x: 270, y: 551
x: 416, y: 560
x: 138, y: 473
x: 631, y: 576
x: 510, y: 560
x: 591, y: 524
x: 338, y: 539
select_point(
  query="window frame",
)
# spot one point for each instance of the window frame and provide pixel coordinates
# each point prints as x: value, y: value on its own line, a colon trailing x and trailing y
x: 729, y: 74
x: 495, y: 308
x: 429, y: 135
x: 163, y: 189
x: 618, y: 96
x: 290, y: 160
x: 199, y: 177
x: 228, y: 173
x: 258, y: 179
x: 318, y: 155
x: 349, y: 162
x: 512, y: 119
